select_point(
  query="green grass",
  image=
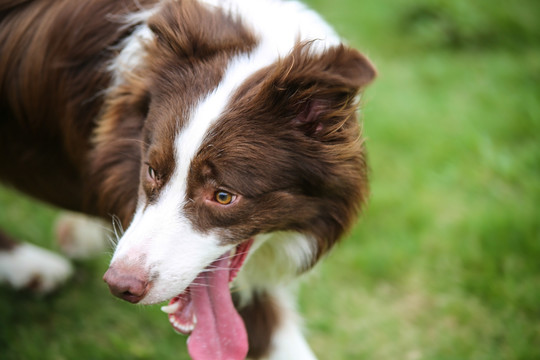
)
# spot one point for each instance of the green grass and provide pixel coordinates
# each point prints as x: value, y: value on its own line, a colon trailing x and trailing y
x: 445, y: 261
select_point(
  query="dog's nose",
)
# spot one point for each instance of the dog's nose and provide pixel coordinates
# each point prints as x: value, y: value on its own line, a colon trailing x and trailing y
x: 127, y: 284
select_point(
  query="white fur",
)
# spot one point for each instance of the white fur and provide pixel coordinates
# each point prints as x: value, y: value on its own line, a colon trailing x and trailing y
x: 27, y: 265
x: 163, y: 243
x: 280, y: 24
x: 132, y: 48
x: 288, y: 341
x: 273, y: 261
x: 130, y: 56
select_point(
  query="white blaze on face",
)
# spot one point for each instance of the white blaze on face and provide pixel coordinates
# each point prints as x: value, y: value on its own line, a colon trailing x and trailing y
x: 161, y: 238
x: 161, y: 241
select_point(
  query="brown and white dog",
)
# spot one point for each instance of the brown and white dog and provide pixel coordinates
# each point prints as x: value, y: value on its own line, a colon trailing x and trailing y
x: 222, y: 133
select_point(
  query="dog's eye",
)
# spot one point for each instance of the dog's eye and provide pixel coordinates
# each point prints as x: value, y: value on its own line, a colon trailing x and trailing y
x: 223, y: 197
x: 152, y: 173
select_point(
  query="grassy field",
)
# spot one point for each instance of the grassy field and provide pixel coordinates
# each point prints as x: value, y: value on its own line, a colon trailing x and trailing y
x: 444, y: 263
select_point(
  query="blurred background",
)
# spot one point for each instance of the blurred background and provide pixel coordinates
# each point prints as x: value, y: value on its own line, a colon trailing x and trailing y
x: 445, y: 261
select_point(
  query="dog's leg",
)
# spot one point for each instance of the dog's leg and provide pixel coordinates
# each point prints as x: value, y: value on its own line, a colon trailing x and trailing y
x: 23, y: 265
x: 288, y: 341
x: 80, y: 236
x: 273, y: 326
x: 266, y: 304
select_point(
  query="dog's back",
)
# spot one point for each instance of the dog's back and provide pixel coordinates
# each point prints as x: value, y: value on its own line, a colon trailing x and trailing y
x: 53, y: 75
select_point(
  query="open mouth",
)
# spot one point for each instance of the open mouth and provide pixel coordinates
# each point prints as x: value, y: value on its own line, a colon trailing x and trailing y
x: 206, y: 310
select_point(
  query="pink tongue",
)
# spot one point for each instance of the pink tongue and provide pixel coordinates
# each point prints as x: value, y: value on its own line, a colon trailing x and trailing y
x: 220, y: 333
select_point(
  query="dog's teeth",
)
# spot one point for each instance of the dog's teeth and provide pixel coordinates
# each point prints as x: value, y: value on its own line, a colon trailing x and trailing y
x: 170, y: 309
x: 183, y: 328
x: 187, y: 328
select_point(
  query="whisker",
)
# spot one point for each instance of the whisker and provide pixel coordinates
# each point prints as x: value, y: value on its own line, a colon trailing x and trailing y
x: 231, y: 256
x: 214, y: 269
x: 112, y: 241
x: 117, y: 230
x: 200, y: 284
x: 107, y: 229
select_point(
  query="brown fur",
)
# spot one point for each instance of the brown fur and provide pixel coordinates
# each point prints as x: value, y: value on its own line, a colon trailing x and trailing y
x: 261, y: 316
x: 51, y: 91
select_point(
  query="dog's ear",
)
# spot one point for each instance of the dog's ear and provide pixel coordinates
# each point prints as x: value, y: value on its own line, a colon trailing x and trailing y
x: 319, y: 88
x: 191, y: 30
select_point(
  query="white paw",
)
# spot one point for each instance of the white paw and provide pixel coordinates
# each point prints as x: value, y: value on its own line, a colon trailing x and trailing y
x: 80, y: 236
x: 28, y: 266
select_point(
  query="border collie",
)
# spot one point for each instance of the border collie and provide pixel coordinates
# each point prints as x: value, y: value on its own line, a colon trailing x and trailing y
x: 221, y: 133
